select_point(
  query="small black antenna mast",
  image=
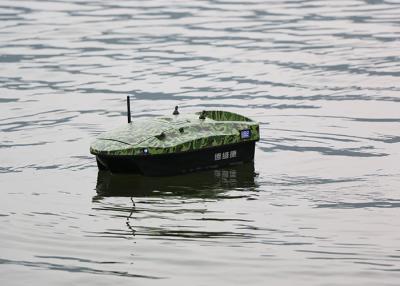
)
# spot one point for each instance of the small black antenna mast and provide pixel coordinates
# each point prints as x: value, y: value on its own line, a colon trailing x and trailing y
x: 128, y: 105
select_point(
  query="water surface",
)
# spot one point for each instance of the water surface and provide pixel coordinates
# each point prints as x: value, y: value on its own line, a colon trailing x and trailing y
x: 320, y: 205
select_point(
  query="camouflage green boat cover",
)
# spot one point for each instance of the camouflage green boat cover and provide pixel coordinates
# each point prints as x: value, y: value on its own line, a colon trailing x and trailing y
x: 176, y: 133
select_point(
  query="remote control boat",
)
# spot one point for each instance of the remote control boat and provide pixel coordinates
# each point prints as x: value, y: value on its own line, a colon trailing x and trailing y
x: 180, y: 143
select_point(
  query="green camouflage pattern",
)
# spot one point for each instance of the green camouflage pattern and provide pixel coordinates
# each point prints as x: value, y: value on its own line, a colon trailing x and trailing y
x: 219, y: 115
x: 177, y: 133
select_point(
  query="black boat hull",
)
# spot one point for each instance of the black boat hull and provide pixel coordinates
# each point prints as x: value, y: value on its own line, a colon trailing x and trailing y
x: 185, y: 162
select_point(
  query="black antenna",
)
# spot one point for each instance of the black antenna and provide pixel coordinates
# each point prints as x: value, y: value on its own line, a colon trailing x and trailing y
x: 128, y: 105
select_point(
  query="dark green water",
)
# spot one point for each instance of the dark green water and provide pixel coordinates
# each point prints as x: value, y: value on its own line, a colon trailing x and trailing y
x: 320, y: 205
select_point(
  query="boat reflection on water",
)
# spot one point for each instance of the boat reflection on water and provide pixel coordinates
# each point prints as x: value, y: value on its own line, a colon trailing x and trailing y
x: 201, y: 184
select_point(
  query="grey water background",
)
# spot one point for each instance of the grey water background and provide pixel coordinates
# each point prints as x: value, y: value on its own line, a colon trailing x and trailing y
x: 321, y: 205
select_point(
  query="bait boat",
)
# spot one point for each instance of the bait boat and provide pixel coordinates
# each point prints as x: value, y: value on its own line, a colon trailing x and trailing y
x: 176, y: 144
